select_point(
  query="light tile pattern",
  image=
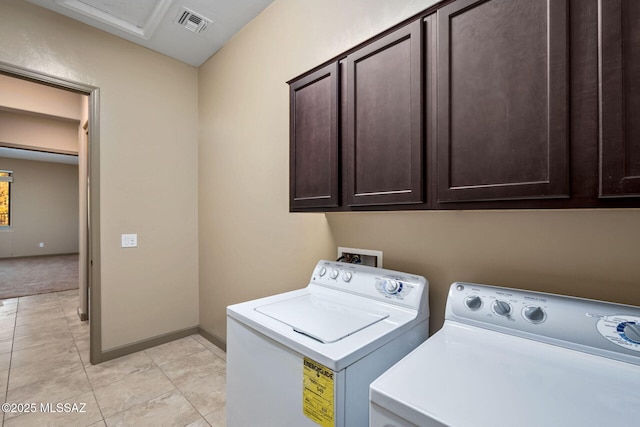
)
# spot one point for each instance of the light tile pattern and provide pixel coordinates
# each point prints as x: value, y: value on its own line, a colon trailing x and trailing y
x: 46, y: 377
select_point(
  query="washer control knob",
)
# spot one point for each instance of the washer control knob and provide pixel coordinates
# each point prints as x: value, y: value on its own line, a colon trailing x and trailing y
x: 632, y: 332
x: 534, y: 314
x: 322, y: 271
x: 334, y: 273
x: 346, y: 276
x: 391, y: 286
x: 501, y: 308
x: 473, y: 302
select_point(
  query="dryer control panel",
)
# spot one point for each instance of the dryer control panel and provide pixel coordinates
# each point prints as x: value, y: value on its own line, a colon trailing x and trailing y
x: 597, y: 327
x: 396, y: 287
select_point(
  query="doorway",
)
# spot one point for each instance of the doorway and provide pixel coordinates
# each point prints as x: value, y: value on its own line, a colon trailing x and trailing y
x: 89, y: 198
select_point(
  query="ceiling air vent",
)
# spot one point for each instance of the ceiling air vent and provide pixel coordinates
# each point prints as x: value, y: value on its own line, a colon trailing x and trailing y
x: 192, y: 21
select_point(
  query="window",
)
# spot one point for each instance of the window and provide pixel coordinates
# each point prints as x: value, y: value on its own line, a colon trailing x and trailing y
x: 6, y: 179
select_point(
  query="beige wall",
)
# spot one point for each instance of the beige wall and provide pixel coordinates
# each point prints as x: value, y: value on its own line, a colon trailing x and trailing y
x: 29, y: 96
x: 589, y: 253
x: 44, y: 208
x: 251, y: 246
x: 148, y: 158
x: 34, y: 130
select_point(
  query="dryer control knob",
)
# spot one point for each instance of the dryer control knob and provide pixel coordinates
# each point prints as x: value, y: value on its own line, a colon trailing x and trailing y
x: 534, y: 314
x: 346, y: 276
x: 334, y: 273
x: 632, y: 332
x: 501, y: 308
x: 473, y: 302
x: 391, y: 286
x: 322, y: 271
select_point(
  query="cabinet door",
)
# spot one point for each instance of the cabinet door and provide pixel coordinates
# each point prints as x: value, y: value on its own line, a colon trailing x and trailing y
x: 502, y: 100
x: 384, y: 128
x: 619, y: 98
x: 314, y: 140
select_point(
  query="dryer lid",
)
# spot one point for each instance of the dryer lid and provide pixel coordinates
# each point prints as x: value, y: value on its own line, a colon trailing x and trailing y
x: 322, y: 318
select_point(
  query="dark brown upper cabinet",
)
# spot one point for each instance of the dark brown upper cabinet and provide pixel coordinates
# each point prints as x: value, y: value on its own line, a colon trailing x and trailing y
x: 502, y: 117
x: 383, y: 134
x: 476, y: 104
x: 619, y: 98
x: 314, y: 140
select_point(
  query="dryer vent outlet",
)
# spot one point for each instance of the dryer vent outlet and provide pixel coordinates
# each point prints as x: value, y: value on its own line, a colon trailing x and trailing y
x: 360, y: 256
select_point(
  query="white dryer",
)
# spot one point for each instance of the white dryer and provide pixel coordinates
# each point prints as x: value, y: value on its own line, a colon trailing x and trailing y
x: 507, y: 357
x: 307, y: 357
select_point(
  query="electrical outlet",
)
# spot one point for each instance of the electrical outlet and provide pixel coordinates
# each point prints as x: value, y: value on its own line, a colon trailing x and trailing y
x: 360, y: 256
x: 129, y: 240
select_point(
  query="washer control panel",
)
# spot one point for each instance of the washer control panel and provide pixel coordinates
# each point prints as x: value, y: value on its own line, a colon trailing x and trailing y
x: 621, y: 330
x: 386, y: 285
x: 396, y: 287
x: 597, y: 327
x: 500, y: 304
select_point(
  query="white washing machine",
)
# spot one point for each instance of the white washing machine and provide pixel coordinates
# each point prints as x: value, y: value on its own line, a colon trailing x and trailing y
x: 508, y: 357
x: 307, y: 357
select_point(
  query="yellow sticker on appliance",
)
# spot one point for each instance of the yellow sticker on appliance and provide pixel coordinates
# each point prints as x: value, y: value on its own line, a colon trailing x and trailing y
x: 317, y: 393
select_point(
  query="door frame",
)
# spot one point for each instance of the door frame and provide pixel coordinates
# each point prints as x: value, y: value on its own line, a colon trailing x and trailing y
x: 93, y: 201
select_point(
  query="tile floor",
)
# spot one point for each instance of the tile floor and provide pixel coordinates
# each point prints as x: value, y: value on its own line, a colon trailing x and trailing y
x: 44, y: 363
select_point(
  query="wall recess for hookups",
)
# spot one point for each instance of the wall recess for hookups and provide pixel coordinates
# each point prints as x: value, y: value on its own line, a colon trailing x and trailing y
x: 365, y: 256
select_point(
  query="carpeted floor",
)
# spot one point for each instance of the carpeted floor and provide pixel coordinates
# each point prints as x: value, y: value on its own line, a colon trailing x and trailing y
x: 37, y: 275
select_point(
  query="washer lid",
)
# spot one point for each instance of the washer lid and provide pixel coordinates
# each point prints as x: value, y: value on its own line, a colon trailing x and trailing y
x: 322, y: 318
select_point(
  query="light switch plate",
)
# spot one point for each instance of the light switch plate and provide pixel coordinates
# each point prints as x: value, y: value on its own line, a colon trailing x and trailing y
x: 129, y: 240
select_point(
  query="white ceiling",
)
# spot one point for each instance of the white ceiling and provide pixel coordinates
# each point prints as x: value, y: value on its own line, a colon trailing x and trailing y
x: 154, y: 23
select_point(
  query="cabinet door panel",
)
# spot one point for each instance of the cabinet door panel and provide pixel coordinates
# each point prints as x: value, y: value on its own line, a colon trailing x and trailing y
x: 384, y: 126
x: 502, y: 100
x: 620, y: 98
x: 314, y: 140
